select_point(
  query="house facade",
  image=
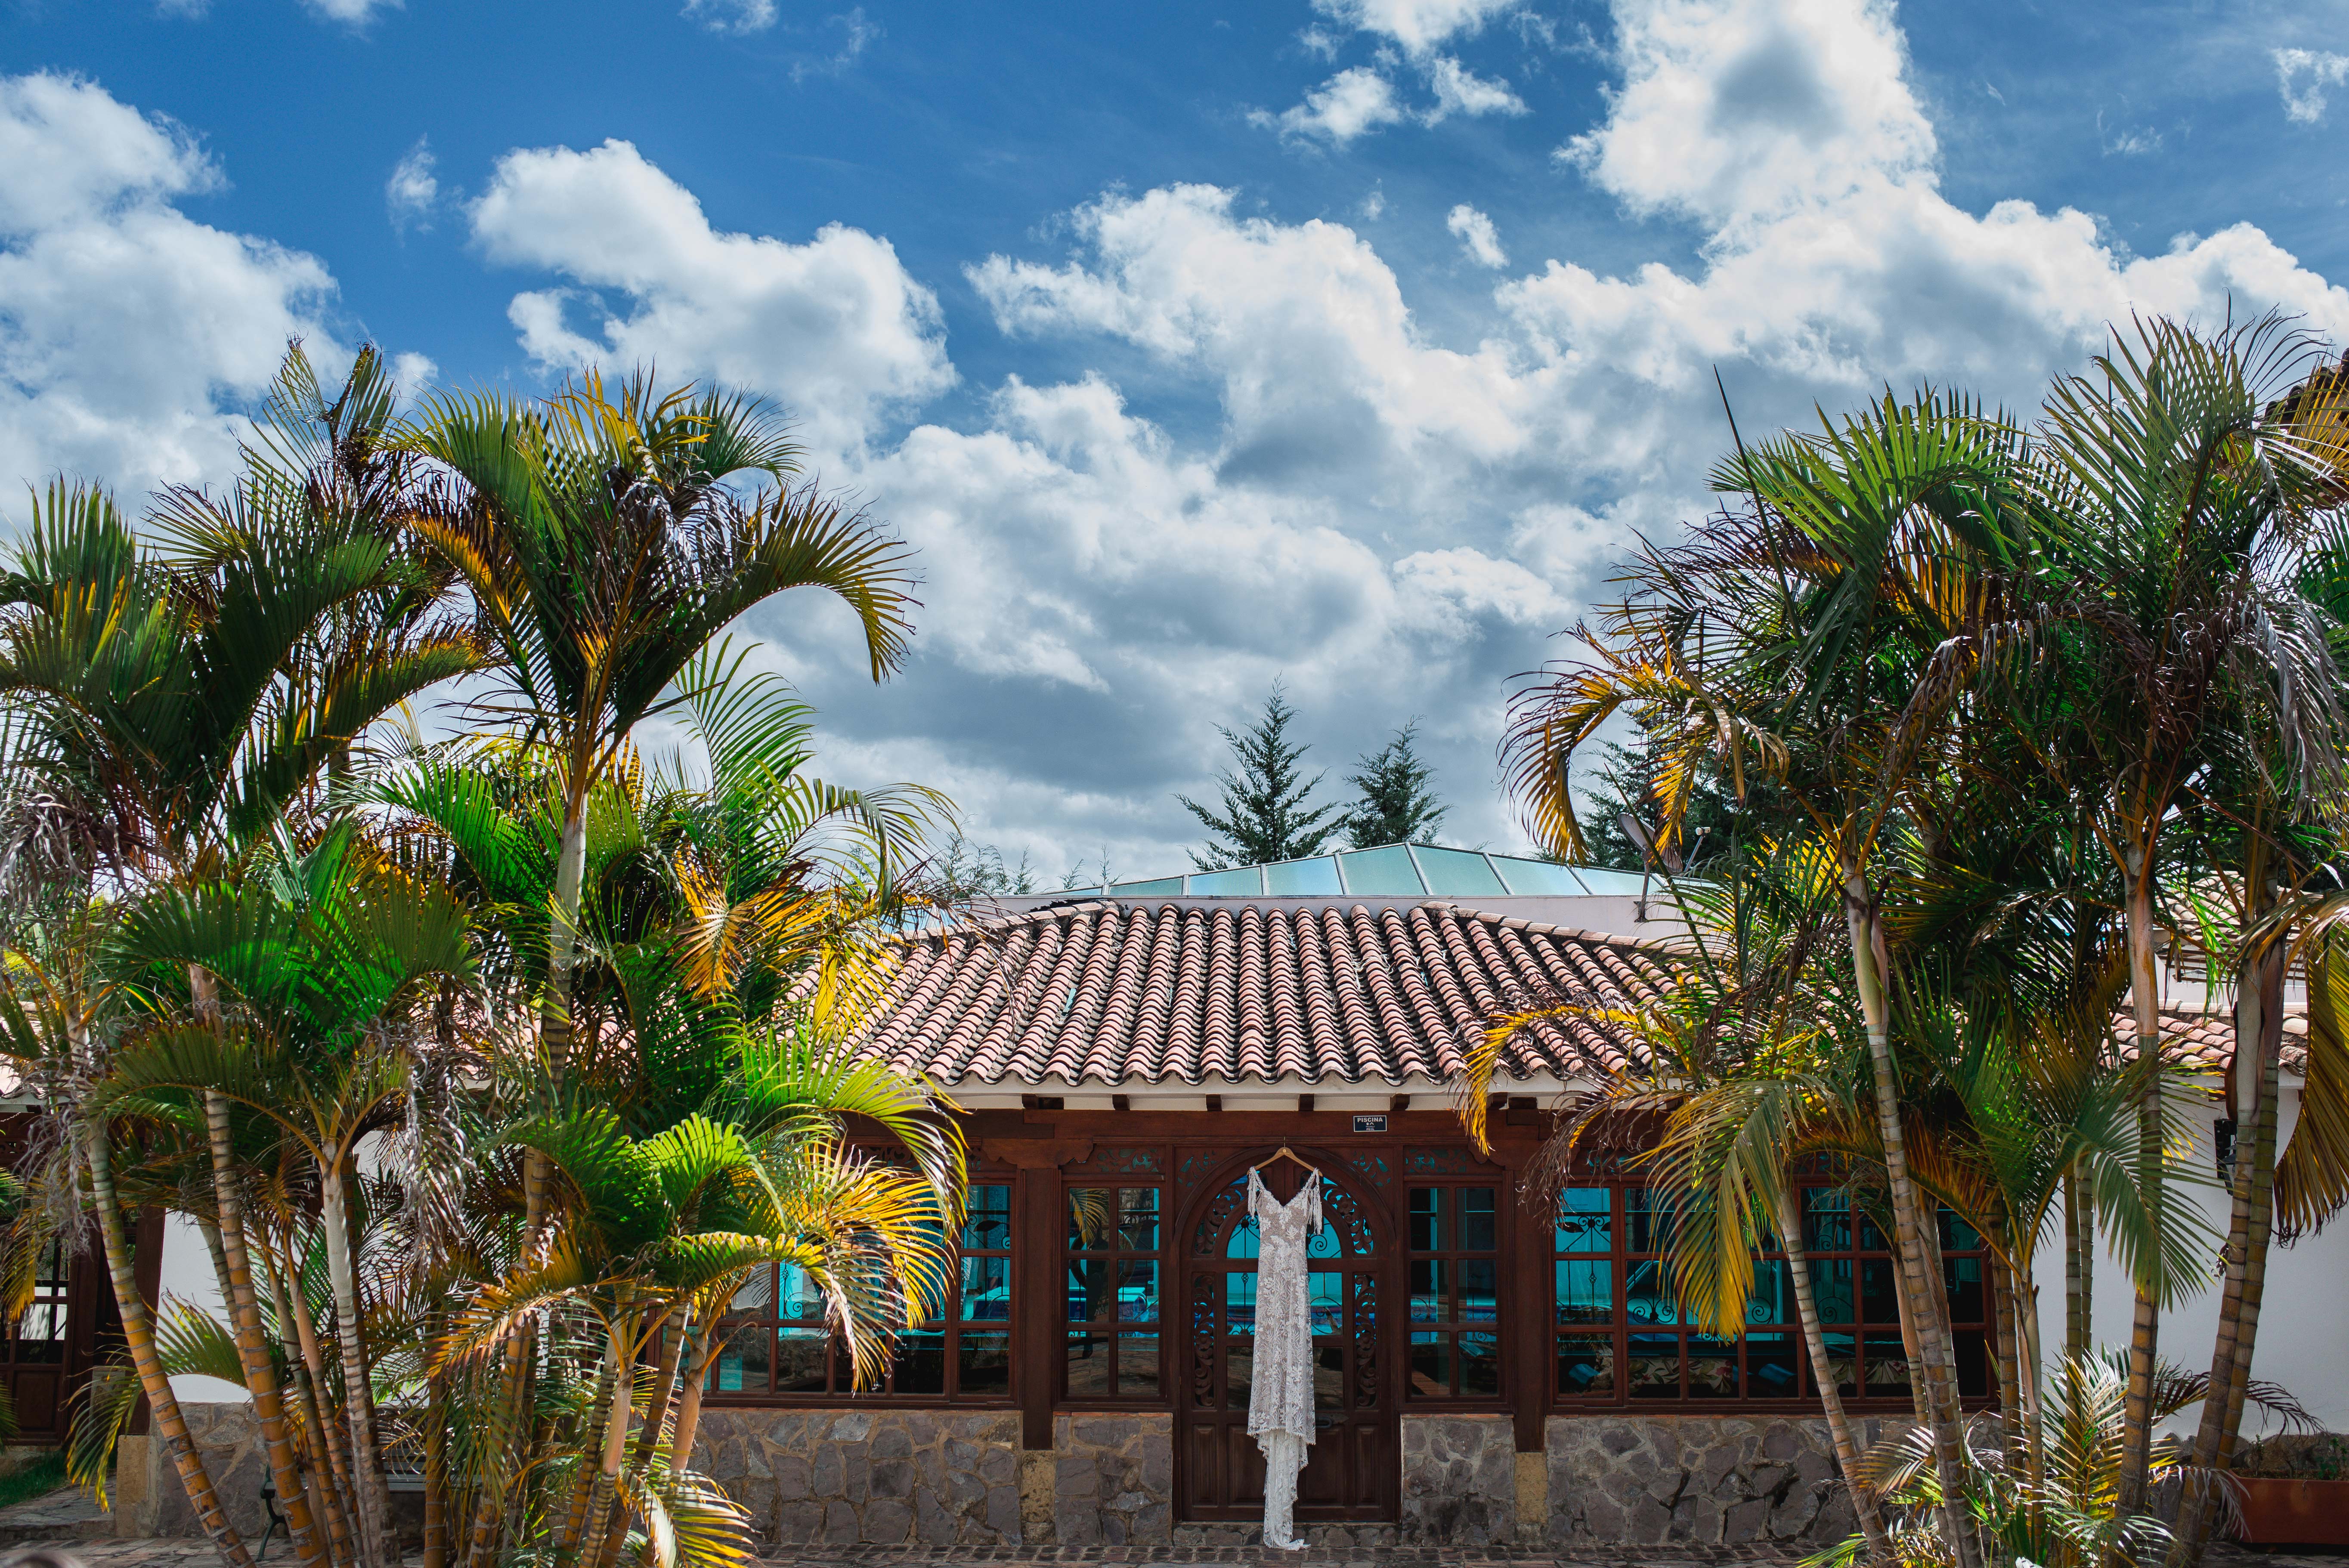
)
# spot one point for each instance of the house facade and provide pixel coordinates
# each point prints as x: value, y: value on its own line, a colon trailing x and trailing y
x: 1487, y: 1374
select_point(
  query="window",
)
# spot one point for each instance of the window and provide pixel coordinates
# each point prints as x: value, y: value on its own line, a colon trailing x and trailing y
x: 1456, y: 1352
x: 1112, y: 1349
x: 780, y: 1344
x: 1623, y: 1337
x: 40, y: 1333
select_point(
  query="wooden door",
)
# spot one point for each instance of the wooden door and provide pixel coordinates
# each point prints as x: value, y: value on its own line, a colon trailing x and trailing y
x: 1350, y: 1472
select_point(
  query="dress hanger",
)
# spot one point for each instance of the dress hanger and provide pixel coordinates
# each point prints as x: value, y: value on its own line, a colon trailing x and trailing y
x: 1291, y: 1153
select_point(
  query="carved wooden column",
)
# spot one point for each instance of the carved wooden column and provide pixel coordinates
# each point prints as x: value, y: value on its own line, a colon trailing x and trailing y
x: 1036, y: 1258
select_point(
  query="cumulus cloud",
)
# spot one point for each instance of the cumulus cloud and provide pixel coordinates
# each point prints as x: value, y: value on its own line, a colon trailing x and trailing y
x: 129, y: 332
x: 351, y: 13
x: 1459, y: 90
x: 1417, y: 26
x: 1478, y: 236
x: 732, y: 16
x: 1355, y: 102
x: 2302, y: 76
x: 833, y: 327
x: 411, y: 193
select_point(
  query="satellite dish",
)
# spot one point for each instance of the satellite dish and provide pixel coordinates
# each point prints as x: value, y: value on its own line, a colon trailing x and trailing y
x: 1638, y: 833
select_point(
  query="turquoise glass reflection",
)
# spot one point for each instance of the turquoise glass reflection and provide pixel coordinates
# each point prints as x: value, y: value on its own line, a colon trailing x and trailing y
x: 1586, y: 1220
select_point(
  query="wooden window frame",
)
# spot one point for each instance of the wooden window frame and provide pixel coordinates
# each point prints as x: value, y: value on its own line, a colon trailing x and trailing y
x: 1452, y: 1254
x: 1113, y: 1333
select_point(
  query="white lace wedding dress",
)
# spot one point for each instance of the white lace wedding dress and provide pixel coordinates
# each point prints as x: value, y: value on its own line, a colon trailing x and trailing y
x: 1280, y: 1397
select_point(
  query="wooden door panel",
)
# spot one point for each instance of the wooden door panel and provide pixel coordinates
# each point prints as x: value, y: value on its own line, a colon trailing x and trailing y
x: 35, y: 1394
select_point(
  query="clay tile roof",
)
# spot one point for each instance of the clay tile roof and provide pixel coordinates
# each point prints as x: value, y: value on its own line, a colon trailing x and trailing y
x: 1115, y: 991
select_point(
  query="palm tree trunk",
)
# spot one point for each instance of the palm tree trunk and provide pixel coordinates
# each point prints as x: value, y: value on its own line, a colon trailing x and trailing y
x: 358, y: 1400
x: 251, y: 1340
x: 707, y: 1339
x: 333, y: 1431
x: 326, y: 1459
x: 2145, y: 1332
x: 1846, y: 1445
x: 435, y: 1457
x: 2079, y: 1262
x: 601, y: 1506
x: 139, y: 1334
x: 2035, y: 1426
x: 583, y: 1485
x: 1948, y: 1438
x: 2258, y: 1019
x: 2000, y: 1286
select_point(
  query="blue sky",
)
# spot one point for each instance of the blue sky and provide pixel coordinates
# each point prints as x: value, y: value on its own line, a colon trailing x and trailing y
x: 1344, y: 341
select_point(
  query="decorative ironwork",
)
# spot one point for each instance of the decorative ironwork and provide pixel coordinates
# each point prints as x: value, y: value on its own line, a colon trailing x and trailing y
x: 1197, y: 1163
x: 1203, y: 1340
x: 1204, y: 1239
x: 1124, y: 1162
x: 1344, y: 1214
x: 1442, y: 1163
x: 1363, y: 1316
x: 1372, y: 1168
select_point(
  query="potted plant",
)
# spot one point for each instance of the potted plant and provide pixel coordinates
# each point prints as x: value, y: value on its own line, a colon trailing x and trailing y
x: 2295, y: 1491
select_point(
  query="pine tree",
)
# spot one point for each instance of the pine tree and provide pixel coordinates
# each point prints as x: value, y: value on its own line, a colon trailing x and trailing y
x: 1264, y: 817
x: 1396, y: 805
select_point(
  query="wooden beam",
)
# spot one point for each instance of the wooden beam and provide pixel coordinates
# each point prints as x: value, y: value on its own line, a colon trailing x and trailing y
x: 1214, y: 1102
x: 1121, y: 1103
x: 1304, y: 1105
x: 1398, y: 1104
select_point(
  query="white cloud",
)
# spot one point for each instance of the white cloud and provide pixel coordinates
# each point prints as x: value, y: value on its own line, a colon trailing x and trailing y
x: 1478, y: 236
x: 2305, y: 104
x: 732, y: 16
x: 835, y: 327
x: 129, y: 332
x: 1459, y: 90
x: 1374, y: 205
x: 351, y: 13
x: 1355, y: 102
x: 857, y: 34
x: 412, y: 190
x: 1417, y: 25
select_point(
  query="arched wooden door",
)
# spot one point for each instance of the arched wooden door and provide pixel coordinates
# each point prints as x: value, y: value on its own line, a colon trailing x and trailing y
x: 1350, y: 1473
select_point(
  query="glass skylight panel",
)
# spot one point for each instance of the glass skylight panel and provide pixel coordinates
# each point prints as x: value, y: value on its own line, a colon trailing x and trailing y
x: 1601, y: 880
x: 1168, y: 887
x: 1316, y: 875
x: 1537, y: 878
x: 1385, y: 872
x: 1238, y: 883
x: 1456, y: 873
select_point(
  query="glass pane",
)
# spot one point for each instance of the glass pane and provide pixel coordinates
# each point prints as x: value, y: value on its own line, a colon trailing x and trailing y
x: 1653, y: 1366
x: 1964, y: 1276
x: 1842, y: 1363
x: 742, y: 1363
x: 1137, y: 1291
x: 1831, y: 1289
x: 1887, y: 1368
x: 987, y: 1225
x: 1529, y: 879
x: 1429, y: 1278
x: 1243, y: 1244
x: 1770, y: 1366
x: 1090, y: 1218
x: 1477, y: 1226
x: 986, y: 1290
x: 1480, y: 1365
x: 1246, y: 882
x: 1156, y: 887
x: 1648, y: 1293
x: 799, y: 1301
x: 801, y: 1357
x: 1324, y: 1292
x: 1239, y: 1301
x: 1137, y: 1220
x: 1646, y: 1220
x: 1957, y: 1236
x: 1090, y: 1296
x: 1088, y: 1365
x: 985, y: 1364
x: 1382, y: 872
x: 752, y: 1295
x: 1972, y: 1351
x: 1239, y: 1368
x: 1319, y: 874
x: 1137, y: 1366
x: 1477, y: 1292
x: 1871, y: 1240
x: 1772, y: 1298
x: 1827, y: 1220
x: 1426, y: 1219
x: 1328, y: 1376
x: 1878, y: 1304
x: 1431, y: 1366
x: 1586, y: 1290
x: 1323, y: 1243
x: 1712, y: 1368
x: 1586, y: 1366
x: 921, y: 1363
x: 1456, y: 873
x: 1585, y: 1220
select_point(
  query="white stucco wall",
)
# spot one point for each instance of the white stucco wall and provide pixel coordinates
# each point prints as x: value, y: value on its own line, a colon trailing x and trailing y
x: 188, y: 1275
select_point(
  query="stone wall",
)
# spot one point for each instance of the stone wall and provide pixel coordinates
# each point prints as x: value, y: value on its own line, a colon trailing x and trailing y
x: 1459, y: 1480
x: 1112, y: 1481
x: 1707, y: 1480
x: 886, y: 1478
x: 229, y: 1438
